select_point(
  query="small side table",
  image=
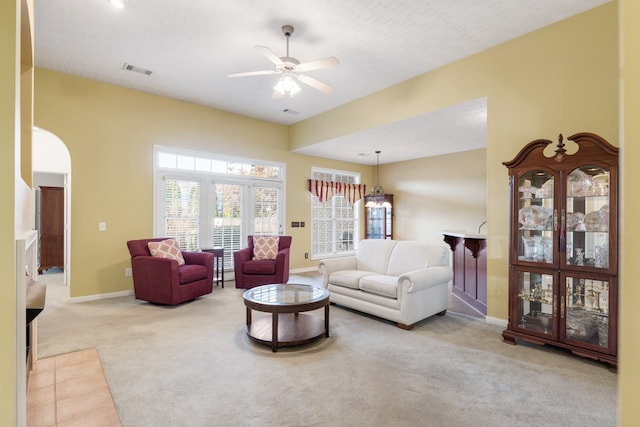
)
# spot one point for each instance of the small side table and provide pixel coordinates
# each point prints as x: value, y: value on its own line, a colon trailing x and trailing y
x: 218, y: 259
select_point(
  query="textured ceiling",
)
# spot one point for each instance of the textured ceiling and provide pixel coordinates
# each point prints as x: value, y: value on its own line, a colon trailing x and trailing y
x: 191, y: 46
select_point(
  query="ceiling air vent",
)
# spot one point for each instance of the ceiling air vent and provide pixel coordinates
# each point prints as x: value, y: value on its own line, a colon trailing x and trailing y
x: 135, y: 69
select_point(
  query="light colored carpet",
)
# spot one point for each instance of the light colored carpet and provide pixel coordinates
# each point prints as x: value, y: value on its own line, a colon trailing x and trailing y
x: 193, y: 365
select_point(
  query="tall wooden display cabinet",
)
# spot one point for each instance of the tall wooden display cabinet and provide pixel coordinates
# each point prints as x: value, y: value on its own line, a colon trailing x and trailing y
x: 563, y: 256
x: 51, y: 228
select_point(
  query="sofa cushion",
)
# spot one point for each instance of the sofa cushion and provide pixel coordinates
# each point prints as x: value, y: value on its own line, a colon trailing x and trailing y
x: 191, y: 272
x: 386, y: 286
x: 410, y: 256
x: 259, y: 266
x: 265, y: 247
x: 166, y: 249
x: 348, y: 278
x: 373, y: 255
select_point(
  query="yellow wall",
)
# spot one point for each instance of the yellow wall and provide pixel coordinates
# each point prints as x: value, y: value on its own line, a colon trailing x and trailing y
x: 629, y: 337
x: 562, y: 78
x: 16, y: 61
x: 8, y: 138
x: 445, y: 192
x: 110, y: 132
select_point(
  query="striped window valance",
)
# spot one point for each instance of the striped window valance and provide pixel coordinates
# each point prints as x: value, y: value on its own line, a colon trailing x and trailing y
x: 325, y: 190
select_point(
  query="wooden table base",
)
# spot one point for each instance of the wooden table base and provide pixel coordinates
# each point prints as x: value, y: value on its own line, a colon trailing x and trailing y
x: 293, y: 329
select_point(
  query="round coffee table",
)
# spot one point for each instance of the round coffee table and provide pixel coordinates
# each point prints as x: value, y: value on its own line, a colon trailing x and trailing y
x: 287, y: 327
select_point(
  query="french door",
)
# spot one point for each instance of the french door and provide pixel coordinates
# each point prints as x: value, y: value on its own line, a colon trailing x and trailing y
x: 219, y: 212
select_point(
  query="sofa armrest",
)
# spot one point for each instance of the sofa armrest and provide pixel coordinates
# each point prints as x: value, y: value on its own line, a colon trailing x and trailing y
x: 150, y: 271
x: 418, y: 280
x: 201, y: 258
x: 331, y: 265
x: 242, y: 255
x: 282, y: 265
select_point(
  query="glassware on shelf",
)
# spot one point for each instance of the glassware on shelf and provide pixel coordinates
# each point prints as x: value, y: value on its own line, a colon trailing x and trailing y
x: 528, y: 191
x: 575, y: 221
x: 601, y: 255
x: 535, y: 217
x: 579, y: 257
x: 579, y: 183
x: 531, y: 247
x: 547, y: 249
x: 546, y: 190
x: 600, y: 185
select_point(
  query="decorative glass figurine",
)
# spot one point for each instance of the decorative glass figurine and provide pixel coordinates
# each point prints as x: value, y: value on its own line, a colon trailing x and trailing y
x: 579, y: 256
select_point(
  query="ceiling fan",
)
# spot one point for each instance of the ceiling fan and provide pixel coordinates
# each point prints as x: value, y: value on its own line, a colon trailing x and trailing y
x: 292, y: 70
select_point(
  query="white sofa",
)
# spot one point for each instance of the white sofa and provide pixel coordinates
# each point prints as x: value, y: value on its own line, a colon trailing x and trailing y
x: 401, y: 281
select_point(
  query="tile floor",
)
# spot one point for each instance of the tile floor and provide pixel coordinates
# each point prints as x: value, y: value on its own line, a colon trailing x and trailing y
x: 70, y: 390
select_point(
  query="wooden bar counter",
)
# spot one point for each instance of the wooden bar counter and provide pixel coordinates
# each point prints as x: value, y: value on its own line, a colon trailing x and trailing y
x: 469, y: 267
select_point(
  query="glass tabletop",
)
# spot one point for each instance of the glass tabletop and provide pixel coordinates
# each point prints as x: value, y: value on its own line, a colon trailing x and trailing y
x: 285, y: 294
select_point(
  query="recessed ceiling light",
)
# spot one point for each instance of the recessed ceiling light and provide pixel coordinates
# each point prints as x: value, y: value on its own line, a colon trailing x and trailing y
x: 118, y: 4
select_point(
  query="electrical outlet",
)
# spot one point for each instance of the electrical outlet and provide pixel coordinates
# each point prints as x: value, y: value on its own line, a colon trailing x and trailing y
x: 127, y: 272
x: 306, y: 255
x: 102, y: 226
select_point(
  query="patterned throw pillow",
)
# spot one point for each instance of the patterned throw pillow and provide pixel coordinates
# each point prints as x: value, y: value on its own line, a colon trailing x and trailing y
x: 265, y: 247
x: 166, y: 249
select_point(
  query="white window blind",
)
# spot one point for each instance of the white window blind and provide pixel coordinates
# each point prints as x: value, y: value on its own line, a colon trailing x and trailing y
x: 227, y: 220
x: 182, y: 212
x: 266, y: 210
x: 334, y: 223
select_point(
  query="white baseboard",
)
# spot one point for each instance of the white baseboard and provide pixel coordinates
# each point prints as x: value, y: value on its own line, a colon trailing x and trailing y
x: 303, y: 270
x: 496, y: 321
x: 101, y: 296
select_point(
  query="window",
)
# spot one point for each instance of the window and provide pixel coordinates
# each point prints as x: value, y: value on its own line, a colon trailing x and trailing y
x: 334, y: 223
x: 206, y: 200
x: 182, y: 212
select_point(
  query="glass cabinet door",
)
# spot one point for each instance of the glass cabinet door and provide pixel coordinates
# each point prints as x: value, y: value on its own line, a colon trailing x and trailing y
x: 535, y: 302
x: 587, y: 218
x: 536, y: 217
x: 379, y: 223
x: 375, y: 223
x: 585, y: 308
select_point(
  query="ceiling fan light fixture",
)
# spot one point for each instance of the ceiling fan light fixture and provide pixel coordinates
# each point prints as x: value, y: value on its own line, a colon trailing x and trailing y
x: 291, y: 70
x: 287, y: 85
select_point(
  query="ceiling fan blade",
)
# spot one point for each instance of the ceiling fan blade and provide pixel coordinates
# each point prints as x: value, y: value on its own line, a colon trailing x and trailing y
x: 318, y: 64
x: 254, y: 73
x: 316, y: 84
x: 270, y: 55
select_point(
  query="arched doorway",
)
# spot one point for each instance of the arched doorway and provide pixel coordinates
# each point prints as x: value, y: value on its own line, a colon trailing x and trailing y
x: 52, y: 169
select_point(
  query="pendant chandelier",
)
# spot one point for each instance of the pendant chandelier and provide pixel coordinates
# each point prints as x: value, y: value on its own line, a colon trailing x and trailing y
x: 377, y: 198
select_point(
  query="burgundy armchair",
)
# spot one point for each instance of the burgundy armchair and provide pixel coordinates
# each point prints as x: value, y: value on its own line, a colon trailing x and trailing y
x: 163, y: 281
x: 251, y: 272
